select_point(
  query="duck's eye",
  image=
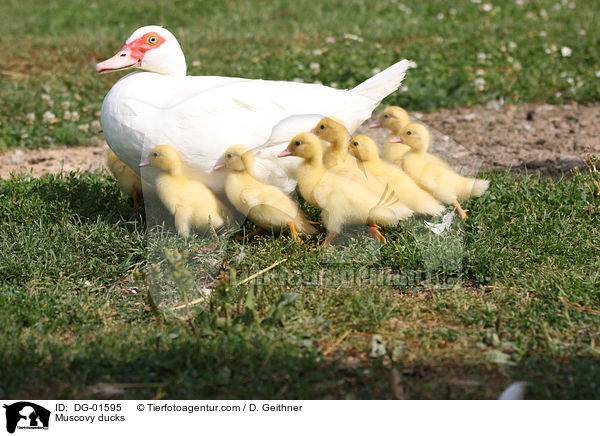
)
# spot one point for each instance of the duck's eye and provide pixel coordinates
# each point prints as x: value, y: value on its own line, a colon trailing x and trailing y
x: 155, y: 154
x: 409, y: 132
x: 152, y: 39
x: 297, y: 143
x: 386, y: 116
x: 355, y: 143
x: 322, y: 126
x: 229, y: 155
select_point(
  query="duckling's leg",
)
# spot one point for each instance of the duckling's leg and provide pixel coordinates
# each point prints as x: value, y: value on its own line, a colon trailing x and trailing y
x: 249, y: 235
x: 374, y: 230
x: 295, y: 234
x: 136, y: 205
x: 183, y: 218
x: 462, y: 212
x: 328, y: 239
x: 314, y: 223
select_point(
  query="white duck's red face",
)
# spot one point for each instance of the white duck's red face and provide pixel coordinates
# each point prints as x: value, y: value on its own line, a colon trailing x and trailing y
x: 151, y: 48
x: 131, y: 54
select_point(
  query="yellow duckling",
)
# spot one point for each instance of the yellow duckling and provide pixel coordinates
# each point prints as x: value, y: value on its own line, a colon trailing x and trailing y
x: 192, y: 203
x: 394, y: 118
x: 338, y: 159
x: 341, y: 200
x: 443, y: 183
x: 404, y: 188
x: 129, y: 182
x: 266, y: 205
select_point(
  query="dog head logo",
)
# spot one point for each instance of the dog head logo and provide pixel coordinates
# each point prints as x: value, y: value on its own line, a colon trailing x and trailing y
x: 26, y: 415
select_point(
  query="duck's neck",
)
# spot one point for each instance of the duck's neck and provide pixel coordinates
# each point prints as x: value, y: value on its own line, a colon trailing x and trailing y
x: 340, y: 142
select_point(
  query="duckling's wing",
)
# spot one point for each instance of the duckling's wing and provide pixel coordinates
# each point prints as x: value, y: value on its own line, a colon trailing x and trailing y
x: 261, y: 194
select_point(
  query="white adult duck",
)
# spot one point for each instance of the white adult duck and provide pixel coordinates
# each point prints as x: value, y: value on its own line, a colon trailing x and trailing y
x: 203, y: 115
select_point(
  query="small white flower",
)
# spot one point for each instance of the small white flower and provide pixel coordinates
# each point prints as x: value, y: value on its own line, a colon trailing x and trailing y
x: 333, y: 84
x: 571, y: 5
x: 352, y: 36
x: 486, y: 7
x: 512, y: 45
x: 563, y: 74
x: 47, y: 99
x: 479, y: 72
x: 65, y: 104
x: 48, y: 139
x: 481, y: 57
x: 48, y: 117
x: 452, y: 12
x: 67, y: 115
x: 542, y: 34
x: 412, y: 64
x: 317, y: 52
x: 543, y: 14
x: 556, y: 6
x: 530, y: 15
x: 330, y: 40
x: 83, y: 127
x: 24, y: 136
x: 558, y: 94
x: 30, y: 117
x: 95, y: 125
x: 582, y: 32
x: 195, y: 63
x: 376, y: 71
x: 517, y: 66
x: 298, y: 80
x: 476, y: 1
x: 519, y: 2
x: 510, y: 59
x: 315, y: 67
x: 566, y: 51
x: 480, y: 83
x: 598, y: 73
x: 404, y: 89
x: 570, y: 80
x: 404, y: 8
x: 440, y: 16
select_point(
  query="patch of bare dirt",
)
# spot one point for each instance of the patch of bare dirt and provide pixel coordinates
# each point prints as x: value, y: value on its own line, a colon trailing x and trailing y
x: 545, y: 138
x: 53, y: 160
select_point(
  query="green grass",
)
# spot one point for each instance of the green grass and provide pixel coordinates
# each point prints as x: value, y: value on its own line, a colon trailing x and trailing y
x: 49, y: 49
x: 510, y: 294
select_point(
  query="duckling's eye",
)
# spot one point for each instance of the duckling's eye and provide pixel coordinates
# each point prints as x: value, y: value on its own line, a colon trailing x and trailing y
x: 355, y: 143
x: 155, y: 154
x: 297, y: 143
x: 322, y: 126
x: 152, y: 39
x: 409, y: 132
x: 229, y: 155
x: 386, y: 116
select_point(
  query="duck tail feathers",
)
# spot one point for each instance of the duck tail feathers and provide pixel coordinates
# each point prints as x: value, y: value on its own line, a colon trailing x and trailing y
x: 384, y: 83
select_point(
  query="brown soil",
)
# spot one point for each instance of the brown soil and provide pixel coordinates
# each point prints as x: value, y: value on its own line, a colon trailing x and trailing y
x: 549, y: 139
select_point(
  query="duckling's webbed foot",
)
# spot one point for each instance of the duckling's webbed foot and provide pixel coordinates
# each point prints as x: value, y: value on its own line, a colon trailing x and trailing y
x: 294, y: 233
x: 374, y: 230
x: 462, y: 212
